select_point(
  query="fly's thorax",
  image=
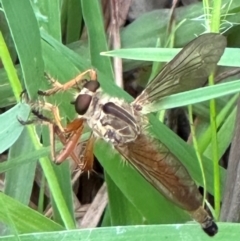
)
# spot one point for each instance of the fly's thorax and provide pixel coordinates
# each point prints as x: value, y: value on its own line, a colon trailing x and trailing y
x: 122, y: 125
x: 113, y: 119
x: 110, y: 118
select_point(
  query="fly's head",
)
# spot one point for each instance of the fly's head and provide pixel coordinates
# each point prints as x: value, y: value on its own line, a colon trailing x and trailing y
x: 85, y: 96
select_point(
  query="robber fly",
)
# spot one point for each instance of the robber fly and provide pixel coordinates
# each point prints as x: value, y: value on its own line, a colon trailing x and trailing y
x: 124, y: 125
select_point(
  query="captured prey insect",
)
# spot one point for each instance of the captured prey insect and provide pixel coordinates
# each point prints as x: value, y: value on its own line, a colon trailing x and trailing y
x: 124, y: 125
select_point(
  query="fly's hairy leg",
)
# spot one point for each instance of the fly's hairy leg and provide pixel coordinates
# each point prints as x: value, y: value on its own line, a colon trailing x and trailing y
x: 58, y: 87
x: 64, y: 138
x: 53, y: 109
x: 70, y: 142
x: 69, y: 137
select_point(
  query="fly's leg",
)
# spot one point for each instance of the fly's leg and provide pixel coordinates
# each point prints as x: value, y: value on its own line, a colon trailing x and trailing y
x: 55, y: 112
x: 69, y: 138
x: 58, y: 87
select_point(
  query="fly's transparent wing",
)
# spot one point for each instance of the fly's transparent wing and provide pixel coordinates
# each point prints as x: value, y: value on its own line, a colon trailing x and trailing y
x: 188, y: 70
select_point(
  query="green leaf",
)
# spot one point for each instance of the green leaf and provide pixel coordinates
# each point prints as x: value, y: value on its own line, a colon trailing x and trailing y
x: 19, y: 14
x: 24, y: 218
x: 127, y: 214
x: 193, y: 96
x: 19, y: 180
x: 48, y: 14
x: 72, y: 20
x: 92, y: 14
x: 190, y: 232
x: 229, y: 58
x: 6, y: 92
x: 10, y: 126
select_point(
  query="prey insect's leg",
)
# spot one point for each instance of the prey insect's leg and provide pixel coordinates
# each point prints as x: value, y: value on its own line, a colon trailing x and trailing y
x: 55, y: 129
x: 67, y: 136
x: 54, y: 124
x: 36, y: 106
x: 55, y: 112
x: 38, y: 118
x: 57, y: 87
x: 41, y: 119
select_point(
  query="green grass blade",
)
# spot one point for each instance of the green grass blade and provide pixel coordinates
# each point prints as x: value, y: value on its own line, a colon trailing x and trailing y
x: 229, y: 58
x: 134, y: 233
x: 19, y: 15
x: 25, y: 219
x: 48, y: 14
x: 193, y: 96
x: 10, y: 126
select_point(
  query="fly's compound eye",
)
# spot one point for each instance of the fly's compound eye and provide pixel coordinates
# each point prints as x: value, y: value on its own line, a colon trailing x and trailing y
x: 82, y: 103
x: 92, y: 85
